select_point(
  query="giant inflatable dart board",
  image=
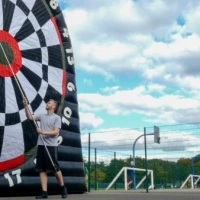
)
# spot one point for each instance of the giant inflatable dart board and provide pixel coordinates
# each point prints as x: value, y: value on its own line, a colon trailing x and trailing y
x: 36, y: 59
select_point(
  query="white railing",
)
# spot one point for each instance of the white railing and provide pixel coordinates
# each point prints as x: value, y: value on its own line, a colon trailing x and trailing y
x: 125, y: 177
x: 191, y: 179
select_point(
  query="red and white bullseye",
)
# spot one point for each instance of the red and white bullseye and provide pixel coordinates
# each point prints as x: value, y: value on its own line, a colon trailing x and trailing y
x: 12, y: 66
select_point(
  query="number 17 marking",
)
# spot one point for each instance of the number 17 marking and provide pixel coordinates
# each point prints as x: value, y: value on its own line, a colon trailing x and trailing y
x: 16, y: 173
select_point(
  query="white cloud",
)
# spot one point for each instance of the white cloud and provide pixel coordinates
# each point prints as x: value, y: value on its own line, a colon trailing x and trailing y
x: 156, y: 87
x: 112, y: 138
x: 110, y: 89
x: 192, y: 17
x: 89, y: 121
x: 173, y: 145
x: 180, y: 48
x: 121, y: 38
x: 165, y: 109
x: 111, y: 44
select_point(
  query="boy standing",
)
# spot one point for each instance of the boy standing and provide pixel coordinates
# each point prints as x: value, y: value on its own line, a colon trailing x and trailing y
x: 50, y: 124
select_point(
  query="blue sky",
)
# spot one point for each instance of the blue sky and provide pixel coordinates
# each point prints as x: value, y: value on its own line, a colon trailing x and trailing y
x: 137, y: 63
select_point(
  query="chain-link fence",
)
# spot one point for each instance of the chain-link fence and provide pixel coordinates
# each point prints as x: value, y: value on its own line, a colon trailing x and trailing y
x: 172, y: 161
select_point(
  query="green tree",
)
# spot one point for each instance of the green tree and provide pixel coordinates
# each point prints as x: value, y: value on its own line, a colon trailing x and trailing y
x: 113, y: 168
x: 186, y: 162
x: 100, y: 176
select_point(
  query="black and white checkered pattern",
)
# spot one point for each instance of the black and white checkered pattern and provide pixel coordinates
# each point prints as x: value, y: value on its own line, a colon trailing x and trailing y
x: 39, y: 28
x: 42, y: 67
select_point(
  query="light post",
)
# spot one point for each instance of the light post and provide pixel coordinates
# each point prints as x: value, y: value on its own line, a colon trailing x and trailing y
x: 156, y: 134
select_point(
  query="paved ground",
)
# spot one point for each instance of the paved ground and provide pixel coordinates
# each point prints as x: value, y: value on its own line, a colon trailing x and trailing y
x: 127, y: 195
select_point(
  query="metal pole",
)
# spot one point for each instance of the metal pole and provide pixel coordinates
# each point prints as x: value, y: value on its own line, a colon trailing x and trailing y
x: 193, y: 170
x: 173, y: 182
x: 89, y: 162
x: 115, y: 168
x: 95, y: 168
x: 146, y: 167
x: 155, y: 171
x: 134, y: 160
x: 165, y: 174
x: 193, y: 165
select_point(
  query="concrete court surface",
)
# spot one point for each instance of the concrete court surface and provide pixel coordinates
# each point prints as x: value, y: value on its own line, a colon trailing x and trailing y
x: 177, y: 194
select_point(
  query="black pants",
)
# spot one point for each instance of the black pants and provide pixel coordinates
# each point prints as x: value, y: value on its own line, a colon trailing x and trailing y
x: 43, y: 162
